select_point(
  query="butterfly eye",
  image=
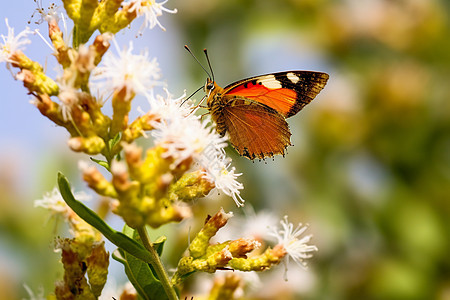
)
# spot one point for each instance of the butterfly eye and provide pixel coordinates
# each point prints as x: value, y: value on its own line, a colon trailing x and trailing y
x: 209, y: 86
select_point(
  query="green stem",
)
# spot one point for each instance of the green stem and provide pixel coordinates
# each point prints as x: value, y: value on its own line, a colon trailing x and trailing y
x: 157, y: 265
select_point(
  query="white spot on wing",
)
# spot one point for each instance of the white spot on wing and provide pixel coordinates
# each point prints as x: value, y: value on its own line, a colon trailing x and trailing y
x: 269, y: 82
x: 292, y: 77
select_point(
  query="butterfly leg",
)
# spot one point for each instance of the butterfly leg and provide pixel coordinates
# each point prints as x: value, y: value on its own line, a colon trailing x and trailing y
x: 201, y: 117
x: 198, y: 105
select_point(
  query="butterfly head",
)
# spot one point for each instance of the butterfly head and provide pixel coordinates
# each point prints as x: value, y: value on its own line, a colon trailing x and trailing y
x: 209, y: 86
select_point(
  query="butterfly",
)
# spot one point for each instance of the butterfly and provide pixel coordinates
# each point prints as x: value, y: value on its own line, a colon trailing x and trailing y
x: 253, y: 111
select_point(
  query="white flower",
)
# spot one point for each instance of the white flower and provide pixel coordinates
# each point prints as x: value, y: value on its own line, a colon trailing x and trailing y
x: 181, y: 132
x: 170, y: 109
x: 49, y: 14
x: 54, y: 202
x: 151, y: 11
x: 224, y: 179
x: 12, y: 43
x: 296, y: 247
x: 183, y: 135
x: 137, y: 72
x: 68, y: 96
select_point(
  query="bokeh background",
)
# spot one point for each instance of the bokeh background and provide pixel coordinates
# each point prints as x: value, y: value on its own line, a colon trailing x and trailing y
x: 369, y: 169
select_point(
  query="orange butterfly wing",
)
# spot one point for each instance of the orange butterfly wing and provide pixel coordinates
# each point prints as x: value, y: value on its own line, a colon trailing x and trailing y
x: 286, y: 92
x: 255, y: 130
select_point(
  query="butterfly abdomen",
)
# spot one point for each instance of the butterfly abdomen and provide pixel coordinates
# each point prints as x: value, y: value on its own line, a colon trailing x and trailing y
x: 216, y: 106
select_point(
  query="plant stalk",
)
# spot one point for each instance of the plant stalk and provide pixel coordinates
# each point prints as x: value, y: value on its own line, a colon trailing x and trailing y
x: 157, y: 264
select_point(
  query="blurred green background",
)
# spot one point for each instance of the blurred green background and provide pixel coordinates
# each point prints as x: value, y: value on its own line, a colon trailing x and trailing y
x: 369, y: 169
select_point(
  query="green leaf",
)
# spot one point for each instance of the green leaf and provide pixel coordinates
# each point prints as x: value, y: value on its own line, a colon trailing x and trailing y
x: 101, y: 163
x: 112, y: 142
x: 117, y: 238
x: 141, y: 276
x: 158, y: 244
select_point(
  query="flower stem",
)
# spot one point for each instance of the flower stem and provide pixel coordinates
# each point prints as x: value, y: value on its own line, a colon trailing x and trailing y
x: 157, y: 265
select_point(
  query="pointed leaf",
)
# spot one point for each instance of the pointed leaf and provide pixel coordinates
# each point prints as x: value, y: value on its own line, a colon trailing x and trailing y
x: 101, y: 163
x: 117, y: 238
x: 141, y: 276
x: 159, y: 244
x: 112, y: 142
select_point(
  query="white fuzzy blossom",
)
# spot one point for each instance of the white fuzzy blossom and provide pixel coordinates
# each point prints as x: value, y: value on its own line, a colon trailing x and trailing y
x: 54, y: 202
x: 47, y: 14
x: 12, y: 43
x: 184, y: 135
x: 137, y: 73
x: 151, y: 11
x: 68, y: 97
x: 181, y: 132
x: 224, y: 177
x: 295, y: 245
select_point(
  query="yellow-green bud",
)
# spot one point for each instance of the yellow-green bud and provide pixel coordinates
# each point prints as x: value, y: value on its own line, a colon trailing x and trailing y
x: 199, y: 245
x: 189, y: 187
x: 138, y: 126
x: 33, y: 76
x: 38, y: 82
x: 117, y: 21
x: 51, y: 110
x: 98, y: 122
x: 260, y: 263
x: 240, y: 247
x: 90, y: 145
x: 167, y: 213
x: 98, y: 182
x: 121, y: 103
x: 62, y: 50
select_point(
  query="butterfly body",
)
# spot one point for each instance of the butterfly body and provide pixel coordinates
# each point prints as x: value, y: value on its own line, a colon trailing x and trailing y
x: 253, y: 110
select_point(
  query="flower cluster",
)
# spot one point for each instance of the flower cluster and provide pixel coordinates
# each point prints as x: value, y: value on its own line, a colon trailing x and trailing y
x: 183, y: 135
x: 182, y: 142
x: 146, y: 187
x: 240, y: 254
x: 150, y: 189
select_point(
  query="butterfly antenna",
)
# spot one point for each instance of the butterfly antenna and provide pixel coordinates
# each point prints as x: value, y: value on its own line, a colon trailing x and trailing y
x: 189, y: 50
x: 209, y: 63
x: 191, y: 95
